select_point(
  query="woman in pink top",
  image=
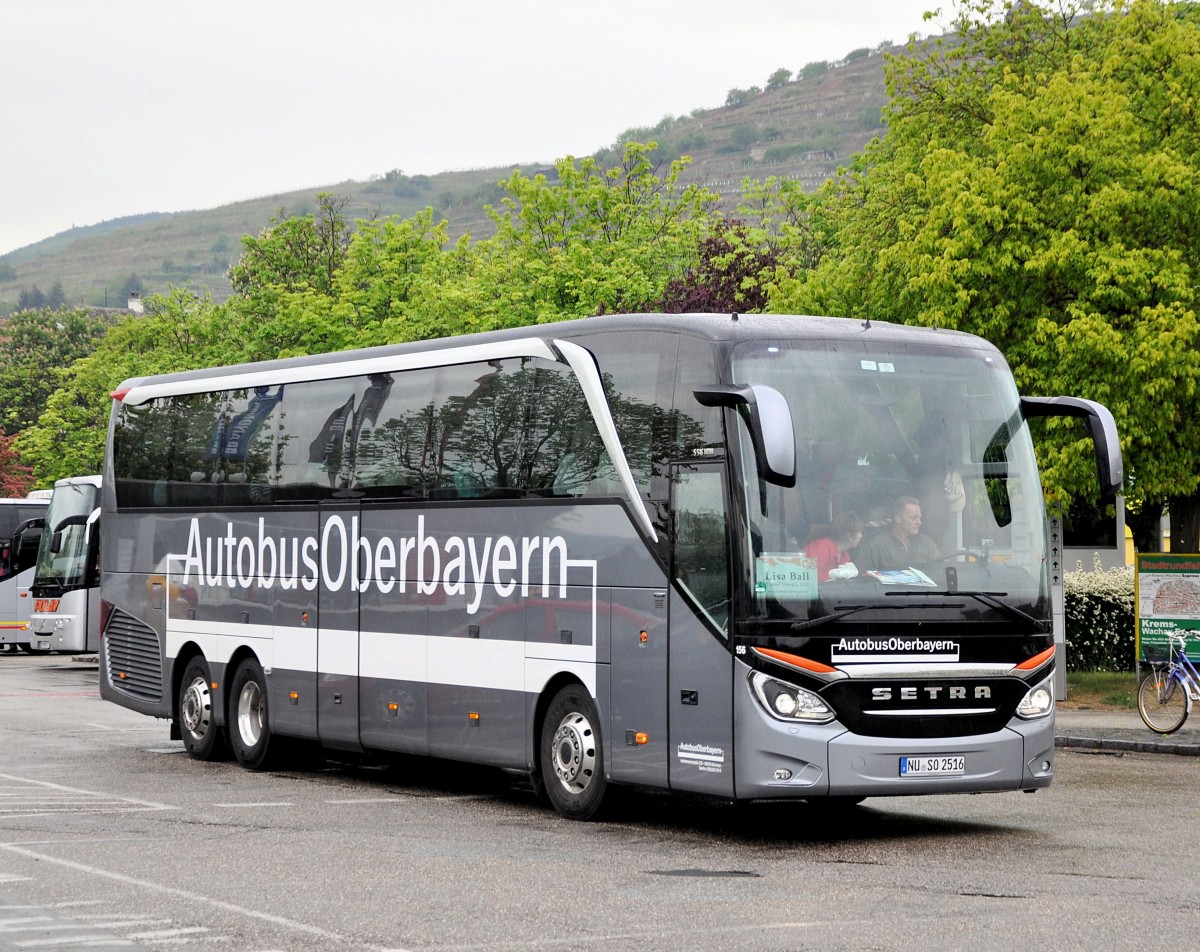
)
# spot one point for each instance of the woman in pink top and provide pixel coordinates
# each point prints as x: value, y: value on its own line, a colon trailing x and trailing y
x: 834, y: 550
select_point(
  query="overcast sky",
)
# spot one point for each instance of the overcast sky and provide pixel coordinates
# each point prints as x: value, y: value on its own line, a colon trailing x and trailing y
x: 129, y: 106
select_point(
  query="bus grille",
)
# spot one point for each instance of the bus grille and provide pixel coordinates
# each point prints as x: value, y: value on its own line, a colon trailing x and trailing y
x: 929, y: 710
x: 133, y: 657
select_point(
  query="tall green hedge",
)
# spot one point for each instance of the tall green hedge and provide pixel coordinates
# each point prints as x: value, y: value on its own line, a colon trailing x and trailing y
x: 1099, y: 611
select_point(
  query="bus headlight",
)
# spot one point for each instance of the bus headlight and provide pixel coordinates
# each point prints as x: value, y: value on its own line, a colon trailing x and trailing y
x: 787, y: 702
x: 1038, y: 700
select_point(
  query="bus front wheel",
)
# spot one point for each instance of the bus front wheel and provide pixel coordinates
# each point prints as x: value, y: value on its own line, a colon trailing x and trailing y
x: 202, y: 739
x: 249, y: 718
x: 572, y: 760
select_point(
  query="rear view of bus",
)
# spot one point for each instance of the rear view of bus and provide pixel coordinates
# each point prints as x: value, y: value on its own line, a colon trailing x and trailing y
x: 66, y: 583
x: 20, y: 529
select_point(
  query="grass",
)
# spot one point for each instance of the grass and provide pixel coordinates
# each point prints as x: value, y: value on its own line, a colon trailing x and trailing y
x: 1101, y: 690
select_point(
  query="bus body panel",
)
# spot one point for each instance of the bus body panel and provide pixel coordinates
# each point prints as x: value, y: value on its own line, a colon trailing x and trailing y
x: 66, y: 585
x: 638, y: 706
x: 337, y: 641
x: 354, y: 661
x: 16, y: 603
x: 869, y: 766
x: 15, y: 607
x: 780, y: 759
x: 701, y: 706
x: 70, y: 622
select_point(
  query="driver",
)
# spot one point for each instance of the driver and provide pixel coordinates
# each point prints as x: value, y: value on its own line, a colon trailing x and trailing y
x: 901, y: 545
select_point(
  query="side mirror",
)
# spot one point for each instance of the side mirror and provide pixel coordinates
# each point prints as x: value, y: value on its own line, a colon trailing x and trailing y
x: 56, y: 543
x: 1101, y: 428
x: 770, y: 424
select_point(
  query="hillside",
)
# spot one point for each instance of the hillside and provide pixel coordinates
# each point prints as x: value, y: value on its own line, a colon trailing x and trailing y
x: 802, y: 129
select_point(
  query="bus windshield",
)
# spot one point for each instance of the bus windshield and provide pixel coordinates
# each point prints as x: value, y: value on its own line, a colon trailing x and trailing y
x: 915, y: 476
x: 63, y: 553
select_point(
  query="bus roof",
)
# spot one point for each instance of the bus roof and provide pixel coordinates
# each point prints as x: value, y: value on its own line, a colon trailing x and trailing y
x: 534, y: 341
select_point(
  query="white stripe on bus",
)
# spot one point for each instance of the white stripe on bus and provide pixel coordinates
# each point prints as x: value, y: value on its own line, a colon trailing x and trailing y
x: 501, y: 665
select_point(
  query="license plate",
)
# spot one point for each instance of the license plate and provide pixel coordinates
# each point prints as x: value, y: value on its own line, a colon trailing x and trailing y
x: 954, y: 766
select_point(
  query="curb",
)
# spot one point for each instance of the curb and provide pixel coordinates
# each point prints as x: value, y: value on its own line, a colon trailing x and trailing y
x: 1139, y: 746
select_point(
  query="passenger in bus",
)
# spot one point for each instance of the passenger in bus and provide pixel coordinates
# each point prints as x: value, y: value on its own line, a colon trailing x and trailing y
x: 832, y: 550
x: 900, y: 545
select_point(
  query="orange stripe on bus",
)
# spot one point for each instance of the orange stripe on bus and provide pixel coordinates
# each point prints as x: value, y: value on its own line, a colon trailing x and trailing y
x: 1037, y: 660
x: 796, y: 660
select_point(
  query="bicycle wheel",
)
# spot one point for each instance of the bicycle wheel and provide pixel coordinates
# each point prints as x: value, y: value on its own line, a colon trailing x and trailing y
x: 1162, y: 702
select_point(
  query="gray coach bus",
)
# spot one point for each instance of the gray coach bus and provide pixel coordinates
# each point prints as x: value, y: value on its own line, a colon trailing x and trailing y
x: 582, y: 549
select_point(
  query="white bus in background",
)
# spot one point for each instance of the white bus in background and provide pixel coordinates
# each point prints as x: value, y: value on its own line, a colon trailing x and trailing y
x: 66, y: 581
x: 20, y: 528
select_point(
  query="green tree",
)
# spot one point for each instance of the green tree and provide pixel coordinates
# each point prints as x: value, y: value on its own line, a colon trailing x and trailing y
x: 56, y: 297
x: 781, y: 77
x: 596, y: 240
x: 389, y: 267
x: 132, y: 286
x: 177, y: 332
x: 293, y: 253
x: 40, y: 346
x: 1037, y: 186
x: 29, y: 299
x: 794, y: 224
x: 736, y: 97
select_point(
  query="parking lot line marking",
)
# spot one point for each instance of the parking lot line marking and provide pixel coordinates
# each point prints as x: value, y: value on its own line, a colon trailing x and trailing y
x: 265, y: 803
x: 58, y: 787
x: 189, y: 895
x: 167, y: 933
x: 74, y: 942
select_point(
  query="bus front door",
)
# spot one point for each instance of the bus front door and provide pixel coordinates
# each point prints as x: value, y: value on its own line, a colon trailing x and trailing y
x: 699, y: 698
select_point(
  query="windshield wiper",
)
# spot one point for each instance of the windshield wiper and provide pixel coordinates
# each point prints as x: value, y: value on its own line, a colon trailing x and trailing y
x: 57, y: 580
x: 786, y: 629
x: 991, y: 599
x: 832, y: 616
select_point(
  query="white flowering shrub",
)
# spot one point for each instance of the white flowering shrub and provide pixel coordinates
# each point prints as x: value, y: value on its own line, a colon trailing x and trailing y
x: 1099, y: 612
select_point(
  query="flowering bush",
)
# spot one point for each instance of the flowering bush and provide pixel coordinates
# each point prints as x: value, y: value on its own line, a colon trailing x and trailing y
x: 1099, y: 613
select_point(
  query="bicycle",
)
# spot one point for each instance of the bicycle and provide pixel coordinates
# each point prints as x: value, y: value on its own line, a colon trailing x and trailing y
x: 1165, y: 695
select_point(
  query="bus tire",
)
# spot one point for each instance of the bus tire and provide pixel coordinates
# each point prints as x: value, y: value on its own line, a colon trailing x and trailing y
x: 202, y: 739
x: 249, y: 718
x: 572, y: 757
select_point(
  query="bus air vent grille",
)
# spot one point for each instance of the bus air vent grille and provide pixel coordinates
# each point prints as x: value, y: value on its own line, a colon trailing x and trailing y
x: 133, y: 657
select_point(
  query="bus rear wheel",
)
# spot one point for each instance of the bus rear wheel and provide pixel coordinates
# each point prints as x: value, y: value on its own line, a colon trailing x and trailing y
x: 249, y: 718
x: 202, y: 739
x: 572, y: 759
